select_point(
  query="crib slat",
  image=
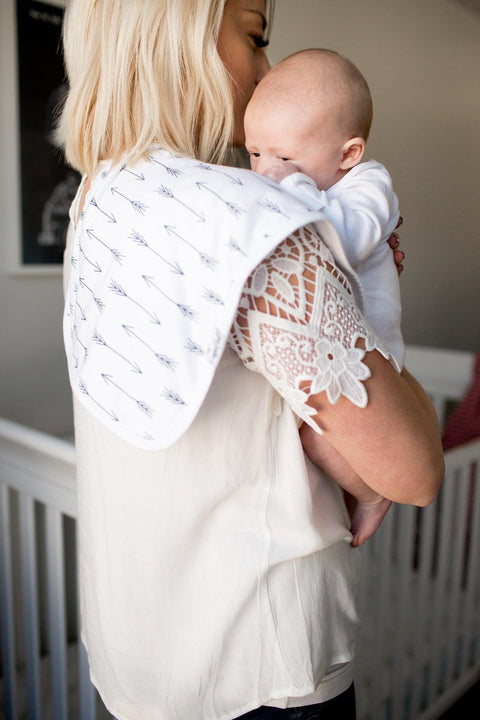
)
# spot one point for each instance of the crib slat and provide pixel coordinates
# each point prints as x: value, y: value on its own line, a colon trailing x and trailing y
x: 30, y: 609
x: 452, y: 626
x: 438, y: 402
x: 472, y: 575
x: 88, y: 709
x: 421, y: 644
x: 439, y: 586
x: 56, y: 612
x: 403, y: 617
x: 6, y: 607
x: 381, y: 600
x: 363, y: 669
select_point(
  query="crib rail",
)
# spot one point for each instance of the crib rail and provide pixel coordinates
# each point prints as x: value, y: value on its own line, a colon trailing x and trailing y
x: 37, y: 501
x: 445, y: 374
x: 419, y: 648
x: 419, y: 645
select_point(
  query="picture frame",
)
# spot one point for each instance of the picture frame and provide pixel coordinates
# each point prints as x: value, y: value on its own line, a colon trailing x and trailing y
x: 46, y: 184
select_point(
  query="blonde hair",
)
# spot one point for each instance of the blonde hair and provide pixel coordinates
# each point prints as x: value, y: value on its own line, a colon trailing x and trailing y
x: 143, y: 72
x: 331, y: 75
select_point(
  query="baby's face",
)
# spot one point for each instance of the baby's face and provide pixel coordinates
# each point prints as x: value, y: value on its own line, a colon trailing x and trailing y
x: 303, y: 136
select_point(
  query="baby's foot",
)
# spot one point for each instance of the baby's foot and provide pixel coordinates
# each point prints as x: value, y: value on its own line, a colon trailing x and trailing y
x: 367, y: 518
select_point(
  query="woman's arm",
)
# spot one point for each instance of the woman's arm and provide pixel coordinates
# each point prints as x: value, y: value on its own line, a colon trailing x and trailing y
x: 298, y: 325
x: 394, y: 442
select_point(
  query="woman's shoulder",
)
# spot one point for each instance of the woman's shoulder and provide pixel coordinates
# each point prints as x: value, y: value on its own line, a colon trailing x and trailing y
x: 159, y: 261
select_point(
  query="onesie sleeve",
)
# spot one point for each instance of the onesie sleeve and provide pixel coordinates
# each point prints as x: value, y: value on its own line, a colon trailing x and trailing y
x: 362, y: 206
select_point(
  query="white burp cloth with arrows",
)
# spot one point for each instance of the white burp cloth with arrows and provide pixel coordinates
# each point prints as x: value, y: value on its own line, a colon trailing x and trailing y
x: 159, y: 257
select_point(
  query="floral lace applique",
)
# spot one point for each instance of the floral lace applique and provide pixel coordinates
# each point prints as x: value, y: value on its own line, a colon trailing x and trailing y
x: 298, y: 325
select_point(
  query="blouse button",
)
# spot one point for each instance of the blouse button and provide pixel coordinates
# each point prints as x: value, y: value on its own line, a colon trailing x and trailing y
x: 277, y: 404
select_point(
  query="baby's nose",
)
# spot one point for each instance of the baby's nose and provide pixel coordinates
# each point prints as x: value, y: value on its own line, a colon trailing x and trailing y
x: 261, y: 164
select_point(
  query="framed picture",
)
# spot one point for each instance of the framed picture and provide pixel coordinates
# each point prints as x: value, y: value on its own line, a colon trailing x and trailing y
x: 47, y: 184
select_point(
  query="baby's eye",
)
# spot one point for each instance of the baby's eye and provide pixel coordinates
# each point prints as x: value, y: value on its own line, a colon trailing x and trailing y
x: 260, y: 41
x: 285, y: 159
x: 254, y: 154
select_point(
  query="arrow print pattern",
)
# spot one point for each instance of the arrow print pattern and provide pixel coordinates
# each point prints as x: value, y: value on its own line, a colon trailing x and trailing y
x: 158, y: 260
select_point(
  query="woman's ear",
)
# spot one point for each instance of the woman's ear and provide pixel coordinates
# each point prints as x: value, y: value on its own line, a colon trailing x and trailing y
x: 352, y: 153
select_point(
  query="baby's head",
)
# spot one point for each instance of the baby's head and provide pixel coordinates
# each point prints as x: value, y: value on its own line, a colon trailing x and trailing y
x: 314, y: 110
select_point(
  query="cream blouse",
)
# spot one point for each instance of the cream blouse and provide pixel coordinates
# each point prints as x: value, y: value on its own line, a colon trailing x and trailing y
x: 216, y: 572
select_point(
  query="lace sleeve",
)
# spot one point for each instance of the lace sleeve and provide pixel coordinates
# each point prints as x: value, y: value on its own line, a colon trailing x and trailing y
x: 298, y: 325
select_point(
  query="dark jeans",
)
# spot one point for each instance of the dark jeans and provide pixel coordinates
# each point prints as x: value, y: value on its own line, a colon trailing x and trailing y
x: 340, y: 708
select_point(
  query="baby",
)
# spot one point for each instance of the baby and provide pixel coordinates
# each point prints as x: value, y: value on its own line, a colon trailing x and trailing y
x: 306, y: 127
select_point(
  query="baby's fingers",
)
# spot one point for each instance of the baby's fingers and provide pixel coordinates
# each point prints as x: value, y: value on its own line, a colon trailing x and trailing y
x: 394, y: 242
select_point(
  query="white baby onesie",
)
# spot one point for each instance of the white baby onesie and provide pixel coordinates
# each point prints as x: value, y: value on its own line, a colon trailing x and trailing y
x: 364, y: 210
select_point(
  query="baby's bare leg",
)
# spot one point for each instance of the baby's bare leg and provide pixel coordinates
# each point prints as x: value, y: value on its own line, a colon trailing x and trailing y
x: 370, y: 508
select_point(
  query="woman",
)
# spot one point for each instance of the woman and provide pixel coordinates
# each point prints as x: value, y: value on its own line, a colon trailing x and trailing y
x: 217, y: 577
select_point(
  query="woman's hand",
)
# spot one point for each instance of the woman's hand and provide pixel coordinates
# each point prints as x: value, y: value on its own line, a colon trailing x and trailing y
x: 394, y: 242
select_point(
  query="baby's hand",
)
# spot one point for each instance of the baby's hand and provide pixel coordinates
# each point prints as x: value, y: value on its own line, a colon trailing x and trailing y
x: 281, y: 169
x: 394, y: 242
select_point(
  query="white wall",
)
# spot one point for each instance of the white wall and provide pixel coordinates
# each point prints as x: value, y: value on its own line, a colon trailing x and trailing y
x: 33, y: 381
x: 422, y: 59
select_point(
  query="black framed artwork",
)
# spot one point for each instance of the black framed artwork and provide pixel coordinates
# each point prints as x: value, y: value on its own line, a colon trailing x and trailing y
x: 48, y: 185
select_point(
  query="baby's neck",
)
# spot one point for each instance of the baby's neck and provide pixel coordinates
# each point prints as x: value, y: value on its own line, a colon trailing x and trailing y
x: 337, y: 177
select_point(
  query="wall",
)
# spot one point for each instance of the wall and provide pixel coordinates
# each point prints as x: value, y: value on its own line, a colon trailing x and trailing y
x: 33, y: 381
x: 421, y: 58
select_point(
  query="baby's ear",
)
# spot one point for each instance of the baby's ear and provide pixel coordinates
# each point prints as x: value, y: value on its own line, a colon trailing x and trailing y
x: 352, y: 153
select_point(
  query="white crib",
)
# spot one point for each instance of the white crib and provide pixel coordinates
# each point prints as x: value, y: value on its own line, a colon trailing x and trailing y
x: 419, y: 599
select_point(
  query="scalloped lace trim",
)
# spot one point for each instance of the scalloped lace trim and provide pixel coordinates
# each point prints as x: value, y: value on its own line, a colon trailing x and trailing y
x: 299, y: 326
